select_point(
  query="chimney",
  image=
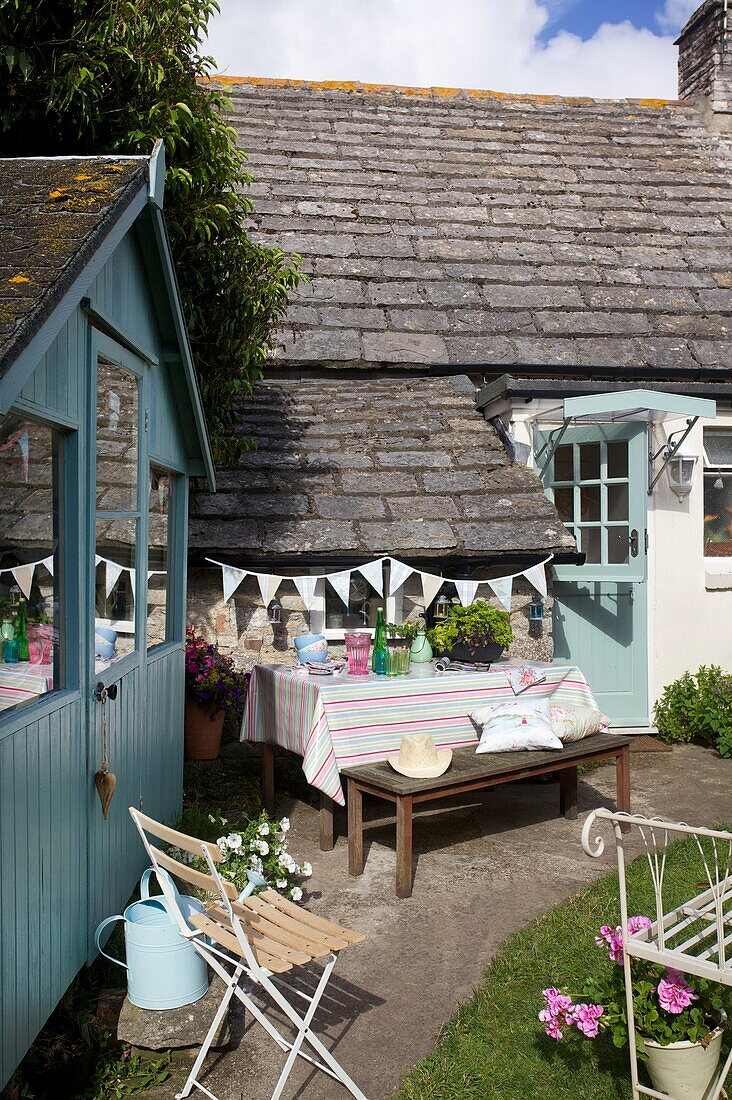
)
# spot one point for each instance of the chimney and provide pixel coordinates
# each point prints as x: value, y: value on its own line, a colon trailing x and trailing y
x: 705, y: 63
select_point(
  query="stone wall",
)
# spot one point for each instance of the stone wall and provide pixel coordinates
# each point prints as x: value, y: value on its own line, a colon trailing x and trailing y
x: 241, y: 629
x: 705, y: 64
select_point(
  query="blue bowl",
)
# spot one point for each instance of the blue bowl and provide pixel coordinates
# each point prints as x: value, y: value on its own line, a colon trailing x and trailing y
x: 311, y: 647
x: 105, y: 641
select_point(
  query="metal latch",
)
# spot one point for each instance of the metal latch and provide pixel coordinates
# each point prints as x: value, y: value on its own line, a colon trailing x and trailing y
x: 633, y: 540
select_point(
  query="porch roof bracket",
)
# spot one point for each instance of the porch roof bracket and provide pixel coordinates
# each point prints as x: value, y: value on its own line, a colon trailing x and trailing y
x: 555, y: 438
x: 668, y: 450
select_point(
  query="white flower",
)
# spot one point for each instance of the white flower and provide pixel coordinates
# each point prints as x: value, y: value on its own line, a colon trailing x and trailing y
x: 233, y: 840
x: 285, y: 824
x: 289, y: 863
x: 223, y: 821
x: 295, y: 893
x: 223, y: 843
x: 281, y: 883
x: 255, y: 864
x: 264, y: 847
x: 264, y: 829
x: 212, y: 819
x: 306, y: 870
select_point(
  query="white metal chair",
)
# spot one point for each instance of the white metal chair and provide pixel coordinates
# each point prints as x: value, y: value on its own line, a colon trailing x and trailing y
x: 255, y: 939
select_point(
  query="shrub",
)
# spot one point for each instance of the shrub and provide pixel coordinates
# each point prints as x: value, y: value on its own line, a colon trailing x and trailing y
x: 698, y: 707
x: 476, y: 625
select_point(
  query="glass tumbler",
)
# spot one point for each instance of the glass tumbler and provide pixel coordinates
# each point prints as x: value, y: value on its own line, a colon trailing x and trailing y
x: 358, y: 645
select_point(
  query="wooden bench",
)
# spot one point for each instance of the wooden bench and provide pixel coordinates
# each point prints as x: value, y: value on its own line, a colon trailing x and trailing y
x: 471, y: 772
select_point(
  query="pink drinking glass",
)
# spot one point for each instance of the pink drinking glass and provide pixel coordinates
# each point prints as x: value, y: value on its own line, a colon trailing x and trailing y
x: 358, y: 645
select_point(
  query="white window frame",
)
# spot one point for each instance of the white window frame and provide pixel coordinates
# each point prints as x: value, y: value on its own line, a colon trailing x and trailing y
x: 722, y: 563
x: 393, y: 611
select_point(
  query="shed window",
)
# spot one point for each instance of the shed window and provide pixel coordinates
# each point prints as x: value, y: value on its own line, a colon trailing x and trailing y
x: 30, y: 561
x: 717, y: 494
x: 158, y: 556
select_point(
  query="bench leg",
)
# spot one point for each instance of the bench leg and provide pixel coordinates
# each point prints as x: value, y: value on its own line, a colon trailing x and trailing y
x: 404, y: 846
x: 622, y: 777
x: 268, y: 777
x: 568, y: 793
x: 327, y: 823
x: 355, y: 829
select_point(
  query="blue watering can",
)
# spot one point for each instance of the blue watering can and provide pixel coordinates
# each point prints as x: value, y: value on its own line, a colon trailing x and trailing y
x: 255, y: 881
x: 164, y: 970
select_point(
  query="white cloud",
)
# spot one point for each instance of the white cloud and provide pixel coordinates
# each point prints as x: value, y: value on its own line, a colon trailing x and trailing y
x: 674, y: 14
x: 466, y: 43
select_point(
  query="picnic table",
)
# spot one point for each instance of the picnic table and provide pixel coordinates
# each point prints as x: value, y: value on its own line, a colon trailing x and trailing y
x: 23, y: 681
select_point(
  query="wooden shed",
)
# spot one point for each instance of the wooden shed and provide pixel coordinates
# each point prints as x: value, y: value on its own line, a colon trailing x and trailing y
x: 100, y: 430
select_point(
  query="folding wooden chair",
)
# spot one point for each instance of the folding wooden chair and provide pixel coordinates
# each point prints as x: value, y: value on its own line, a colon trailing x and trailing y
x: 255, y: 938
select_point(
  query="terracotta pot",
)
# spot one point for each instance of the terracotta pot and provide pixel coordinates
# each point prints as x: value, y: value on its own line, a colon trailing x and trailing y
x: 202, y: 733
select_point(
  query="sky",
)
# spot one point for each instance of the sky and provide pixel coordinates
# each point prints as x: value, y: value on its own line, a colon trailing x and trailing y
x: 609, y: 49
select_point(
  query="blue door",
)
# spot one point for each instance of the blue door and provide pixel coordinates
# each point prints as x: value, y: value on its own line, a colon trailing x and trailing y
x: 597, y: 479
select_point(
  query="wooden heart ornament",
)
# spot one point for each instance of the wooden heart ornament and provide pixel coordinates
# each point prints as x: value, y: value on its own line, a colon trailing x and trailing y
x: 105, y: 782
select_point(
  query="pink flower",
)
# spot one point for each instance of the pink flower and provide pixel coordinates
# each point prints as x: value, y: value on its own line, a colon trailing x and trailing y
x: 613, y: 937
x: 585, y: 1018
x: 674, y: 993
x: 552, y: 1028
x: 635, y: 924
x: 557, y: 1012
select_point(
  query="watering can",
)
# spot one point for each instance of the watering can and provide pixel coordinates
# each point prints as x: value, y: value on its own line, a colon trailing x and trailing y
x: 164, y: 970
x: 255, y: 881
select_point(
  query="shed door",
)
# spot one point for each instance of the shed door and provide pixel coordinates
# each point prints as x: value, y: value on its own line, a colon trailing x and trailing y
x: 597, y: 479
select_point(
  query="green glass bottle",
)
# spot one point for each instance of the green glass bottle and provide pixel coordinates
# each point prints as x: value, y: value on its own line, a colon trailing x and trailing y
x: 378, y: 657
x: 21, y: 631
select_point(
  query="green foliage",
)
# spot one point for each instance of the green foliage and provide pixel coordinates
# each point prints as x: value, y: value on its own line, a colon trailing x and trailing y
x: 476, y: 625
x: 698, y: 707
x: 408, y: 631
x: 94, y: 76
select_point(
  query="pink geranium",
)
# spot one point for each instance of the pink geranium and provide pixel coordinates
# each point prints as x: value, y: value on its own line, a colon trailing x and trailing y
x: 613, y: 937
x: 556, y: 1013
x: 674, y: 992
x: 585, y: 1018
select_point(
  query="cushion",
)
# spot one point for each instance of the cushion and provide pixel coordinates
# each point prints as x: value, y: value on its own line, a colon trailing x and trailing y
x: 514, y: 725
x: 574, y: 723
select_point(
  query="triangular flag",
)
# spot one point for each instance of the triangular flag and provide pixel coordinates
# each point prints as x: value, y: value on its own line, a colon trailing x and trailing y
x: 399, y: 573
x: 536, y: 575
x: 113, y: 574
x: 431, y: 585
x: 268, y: 585
x: 48, y: 562
x: 306, y: 588
x: 132, y: 582
x: 373, y: 571
x: 232, y: 578
x: 466, y: 591
x: 24, y: 576
x: 342, y: 584
x: 98, y: 559
x: 502, y: 589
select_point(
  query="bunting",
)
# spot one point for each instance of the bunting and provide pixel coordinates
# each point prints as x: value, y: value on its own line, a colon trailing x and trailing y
x: 112, y: 575
x: 431, y: 585
x: 373, y: 572
x: 466, y: 591
x: 24, y: 578
x: 306, y: 587
x: 232, y: 579
x: 502, y: 588
x: 399, y: 574
x: 341, y: 582
x: 536, y: 575
x: 268, y: 585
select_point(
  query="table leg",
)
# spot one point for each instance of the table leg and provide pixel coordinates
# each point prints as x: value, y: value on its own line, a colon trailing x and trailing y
x: 404, y: 846
x: 268, y: 777
x: 327, y: 823
x: 568, y: 793
x: 622, y: 777
x: 355, y: 829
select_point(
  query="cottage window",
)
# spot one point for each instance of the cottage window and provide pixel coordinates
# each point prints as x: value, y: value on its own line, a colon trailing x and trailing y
x: 717, y: 494
x: 30, y: 561
x: 160, y: 492
x: 331, y: 617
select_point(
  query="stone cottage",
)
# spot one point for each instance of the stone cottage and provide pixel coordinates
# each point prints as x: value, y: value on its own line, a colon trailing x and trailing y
x: 517, y: 322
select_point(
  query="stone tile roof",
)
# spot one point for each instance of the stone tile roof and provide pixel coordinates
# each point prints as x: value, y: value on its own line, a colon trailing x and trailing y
x: 53, y: 214
x: 460, y: 227
x: 389, y: 465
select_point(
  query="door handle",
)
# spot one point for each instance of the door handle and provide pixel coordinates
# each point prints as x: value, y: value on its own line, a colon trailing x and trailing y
x: 633, y: 540
x: 102, y: 693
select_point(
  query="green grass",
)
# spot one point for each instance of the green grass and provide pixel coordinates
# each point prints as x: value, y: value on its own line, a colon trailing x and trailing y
x: 494, y: 1047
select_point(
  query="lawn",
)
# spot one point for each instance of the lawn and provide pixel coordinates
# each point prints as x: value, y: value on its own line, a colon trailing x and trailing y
x: 494, y: 1047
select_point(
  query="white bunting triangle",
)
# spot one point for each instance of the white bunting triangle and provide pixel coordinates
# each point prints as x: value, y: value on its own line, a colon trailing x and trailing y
x: 431, y: 585
x: 306, y: 588
x: 113, y: 572
x: 466, y: 591
x: 341, y: 582
x: 536, y: 575
x: 98, y: 559
x: 373, y: 571
x: 399, y: 574
x: 502, y: 588
x: 48, y: 563
x: 232, y: 578
x: 268, y: 585
x: 24, y: 577
x: 132, y: 582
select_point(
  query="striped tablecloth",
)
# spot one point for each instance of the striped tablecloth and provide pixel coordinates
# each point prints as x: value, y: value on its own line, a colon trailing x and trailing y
x: 333, y: 723
x: 21, y: 682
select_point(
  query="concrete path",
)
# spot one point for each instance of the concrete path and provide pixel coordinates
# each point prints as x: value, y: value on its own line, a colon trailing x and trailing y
x: 485, y: 868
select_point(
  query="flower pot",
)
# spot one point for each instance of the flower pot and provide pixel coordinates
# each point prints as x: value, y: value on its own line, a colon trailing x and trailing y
x: 483, y: 654
x: 421, y: 650
x: 686, y: 1071
x: 202, y: 733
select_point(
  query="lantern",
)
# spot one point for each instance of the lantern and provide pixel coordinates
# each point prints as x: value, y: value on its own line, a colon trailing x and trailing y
x: 536, y: 610
x: 274, y: 611
x: 442, y: 607
x: 681, y: 474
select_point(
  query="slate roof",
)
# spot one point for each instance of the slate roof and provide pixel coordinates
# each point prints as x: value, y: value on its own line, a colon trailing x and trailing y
x: 53, y: 215
x: 347, y: 471
x: 465, y: 227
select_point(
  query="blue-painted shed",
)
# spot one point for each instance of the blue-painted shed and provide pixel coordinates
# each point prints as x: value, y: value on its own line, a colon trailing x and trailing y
x: 100, y: 430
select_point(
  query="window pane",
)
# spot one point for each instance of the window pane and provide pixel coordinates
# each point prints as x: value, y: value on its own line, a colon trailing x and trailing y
x: 617, y: 502
x: 590, y: 544
x: 564, y: 501
x: 590, y: 504
x: 564, y: 463
x: 589, y: 461
x: 718, y: 447
x: 116, y: 439
x: 617, y: 459
x: 30, y: 569
x: 157, y: 557
x: 717, y: 515
x: 363, y: 603
x: 618, y: 545
x: 114, y: 635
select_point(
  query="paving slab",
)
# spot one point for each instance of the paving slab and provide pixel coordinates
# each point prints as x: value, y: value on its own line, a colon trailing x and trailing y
x: 485, y: 866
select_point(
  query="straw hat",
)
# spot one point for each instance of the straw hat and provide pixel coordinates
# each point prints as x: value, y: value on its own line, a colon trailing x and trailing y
x: 419, y: 757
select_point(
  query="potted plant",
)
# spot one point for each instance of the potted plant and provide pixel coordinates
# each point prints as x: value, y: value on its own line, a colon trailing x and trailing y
x: 399, y: 638
x: 680, y: 1023
x: 212, y: 683
x: 474, y: 633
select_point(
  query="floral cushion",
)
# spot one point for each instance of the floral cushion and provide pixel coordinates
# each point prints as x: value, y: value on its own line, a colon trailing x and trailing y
x: 574, y: 723
x: 515, y: 725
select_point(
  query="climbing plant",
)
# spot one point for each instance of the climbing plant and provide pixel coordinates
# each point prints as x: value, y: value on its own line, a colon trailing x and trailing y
x: 111, y: 76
